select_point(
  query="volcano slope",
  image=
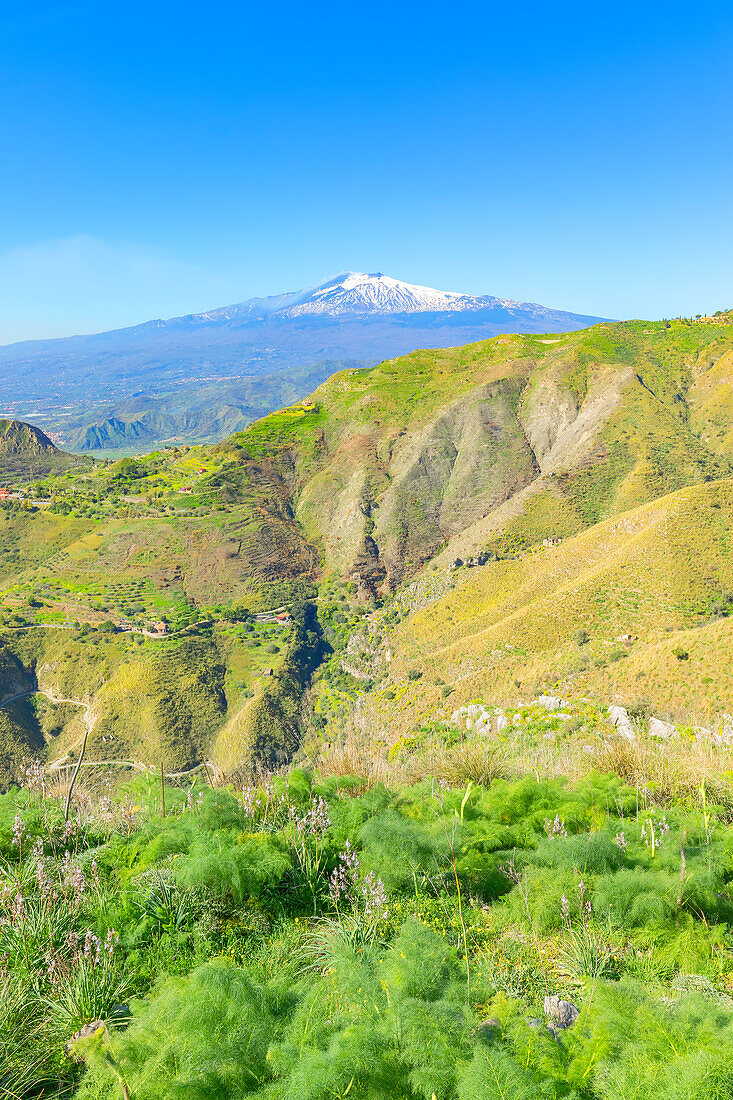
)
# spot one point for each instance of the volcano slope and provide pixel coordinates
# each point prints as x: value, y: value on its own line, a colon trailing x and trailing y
x: 382, y: 479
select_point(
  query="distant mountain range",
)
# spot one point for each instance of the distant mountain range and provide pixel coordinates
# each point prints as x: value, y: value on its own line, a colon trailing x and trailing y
x: 242, y: 360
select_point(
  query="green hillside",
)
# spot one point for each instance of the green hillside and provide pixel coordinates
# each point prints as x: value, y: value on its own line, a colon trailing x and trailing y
x: 423, y: 860
x: 27, y: 453
x: 383, y: 477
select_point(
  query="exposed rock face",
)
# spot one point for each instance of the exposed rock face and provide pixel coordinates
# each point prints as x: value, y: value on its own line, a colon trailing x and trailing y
x: 550, y: 702
x: 365, y: 657
x: 562, y: 431
x: 619, y: 716
x: 560, y: 1016
x: 84, y: 1032
x: 441, y: 453
x: 385, y: 501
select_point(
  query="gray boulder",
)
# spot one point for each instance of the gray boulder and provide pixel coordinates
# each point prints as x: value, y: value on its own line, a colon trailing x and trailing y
x: 550, y: 702
x: 560, y: 1014
x: 658, y: 728
x: 619, y: 716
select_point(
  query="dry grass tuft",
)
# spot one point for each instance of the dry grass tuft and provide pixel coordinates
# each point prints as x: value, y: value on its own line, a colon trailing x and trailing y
x: 674, y: 771
x: 681, y: 770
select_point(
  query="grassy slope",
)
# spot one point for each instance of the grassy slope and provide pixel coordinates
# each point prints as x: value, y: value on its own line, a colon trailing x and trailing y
x: 660, y: 573
x: 496, y: 445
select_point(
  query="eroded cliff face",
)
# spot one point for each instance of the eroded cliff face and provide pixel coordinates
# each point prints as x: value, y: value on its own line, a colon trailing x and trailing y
x: 561, y: 429
x: 469, y: 459
x: 337, y: 503
x: 382, y: 504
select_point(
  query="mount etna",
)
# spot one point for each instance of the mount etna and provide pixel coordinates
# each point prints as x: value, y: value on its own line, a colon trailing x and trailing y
x: 200, y: 377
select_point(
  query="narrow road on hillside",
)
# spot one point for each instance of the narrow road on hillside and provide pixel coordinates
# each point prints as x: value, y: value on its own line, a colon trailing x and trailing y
x: 53, y: 699
x: 89, y: 724
x: 88, y: 720
x: 42, y: 626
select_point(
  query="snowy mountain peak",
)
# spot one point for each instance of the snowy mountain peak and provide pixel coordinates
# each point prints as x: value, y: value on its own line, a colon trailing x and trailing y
x: 360, y: 292
x: 365, y: 297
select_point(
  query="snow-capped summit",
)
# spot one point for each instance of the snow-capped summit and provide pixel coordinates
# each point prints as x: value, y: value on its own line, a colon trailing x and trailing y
x: 367, y: 297
x: 284, y: 345
x: 359, y: 292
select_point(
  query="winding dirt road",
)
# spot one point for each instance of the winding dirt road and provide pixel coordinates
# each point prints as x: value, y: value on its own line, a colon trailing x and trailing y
x: 89, y: 724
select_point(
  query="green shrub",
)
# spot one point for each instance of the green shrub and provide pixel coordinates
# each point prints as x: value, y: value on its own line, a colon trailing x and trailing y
x: 640, y: 709
x: 399, y: 851
x: 235, y: 868
x: 489, y: 898
x: 632, y: 1046
x: 589, y: 853
x: 635, y: 897
x: 494, y: 1075
x: 205, y: 1036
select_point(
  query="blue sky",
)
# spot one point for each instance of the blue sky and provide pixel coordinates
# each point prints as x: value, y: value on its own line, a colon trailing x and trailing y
x: 163, y: 158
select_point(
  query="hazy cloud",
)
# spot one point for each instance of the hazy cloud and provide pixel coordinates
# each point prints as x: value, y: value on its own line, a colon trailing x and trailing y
x: 84, y: 284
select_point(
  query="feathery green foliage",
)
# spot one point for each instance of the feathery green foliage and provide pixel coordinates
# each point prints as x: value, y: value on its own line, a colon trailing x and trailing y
x: 321, y: 939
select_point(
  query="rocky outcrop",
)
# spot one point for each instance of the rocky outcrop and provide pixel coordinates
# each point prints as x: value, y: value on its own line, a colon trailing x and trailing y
x: 550, y: 702
x: 478, y: 718
x: 619, y: 717
x: 560, y: 1014
x: 660, y: 729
